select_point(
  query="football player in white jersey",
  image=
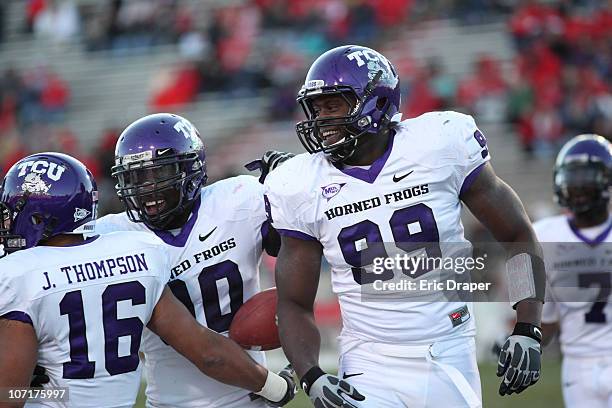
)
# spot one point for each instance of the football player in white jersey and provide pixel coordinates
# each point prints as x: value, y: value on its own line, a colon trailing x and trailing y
x: 368, y: 179
x: 578, y: 266
x: 215, y: 236
x: 79, y: 306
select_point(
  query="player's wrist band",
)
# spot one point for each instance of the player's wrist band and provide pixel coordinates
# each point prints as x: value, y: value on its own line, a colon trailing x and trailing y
x: 275, y: 387
x: 528, y: 330
x: 525, y: 278
x: 310, y: 377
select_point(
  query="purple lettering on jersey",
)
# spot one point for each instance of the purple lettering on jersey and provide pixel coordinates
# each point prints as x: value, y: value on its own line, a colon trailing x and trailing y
x: 66, y: 270
x: 141, y: 262
x: 18, y: 316
x: 79, y: 366
x: 482, y: 141
x: 89, y: 271
x: 360, y: 244
x: 207, y: 280
x: 80, y: 275
x: 480, y: 138
x: 228, y: 270
x: 424, y: 234
x: 115, y: 328
x: 121, y: 264
x: 413, y: 228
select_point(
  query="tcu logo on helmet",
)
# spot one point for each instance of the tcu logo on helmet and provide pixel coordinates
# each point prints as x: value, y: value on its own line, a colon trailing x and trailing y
x: 53, y: 171
x: 186, y: 128
x: 375, y: 63
x: 34, y: 183
x: 370, y: 56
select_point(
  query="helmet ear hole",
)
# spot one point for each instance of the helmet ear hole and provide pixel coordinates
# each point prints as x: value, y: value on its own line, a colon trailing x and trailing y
x: 36, y: 219
x: 381, y: 103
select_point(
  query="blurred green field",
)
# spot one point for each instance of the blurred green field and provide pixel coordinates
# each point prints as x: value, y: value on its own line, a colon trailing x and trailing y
x: 545, y: 394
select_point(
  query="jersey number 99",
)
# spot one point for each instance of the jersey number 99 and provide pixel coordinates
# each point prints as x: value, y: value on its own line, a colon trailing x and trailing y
x: 414, y: 228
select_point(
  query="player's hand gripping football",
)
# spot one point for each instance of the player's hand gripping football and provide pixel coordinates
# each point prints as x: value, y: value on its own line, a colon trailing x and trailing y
x: 268, y: 162
x: 329, y: 391
x: 520, y: 359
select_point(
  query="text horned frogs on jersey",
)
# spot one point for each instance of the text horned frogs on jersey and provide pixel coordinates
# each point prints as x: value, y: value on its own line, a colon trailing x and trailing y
x: 408, y: 196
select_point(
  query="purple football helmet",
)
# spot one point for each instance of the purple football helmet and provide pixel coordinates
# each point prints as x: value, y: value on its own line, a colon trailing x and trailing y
x: 160, y: 168
x: 44, y: 195
x: 583, y: 173
x: 367, y: 81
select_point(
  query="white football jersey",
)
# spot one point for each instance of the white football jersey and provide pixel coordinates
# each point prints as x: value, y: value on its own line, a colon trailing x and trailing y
x: 88, y: 304
x: 578, y: 269
x: 408, y: 196
x: 214, y: 269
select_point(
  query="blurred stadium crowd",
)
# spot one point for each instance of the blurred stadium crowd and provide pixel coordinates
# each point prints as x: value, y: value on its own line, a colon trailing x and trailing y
x: 559, y: 84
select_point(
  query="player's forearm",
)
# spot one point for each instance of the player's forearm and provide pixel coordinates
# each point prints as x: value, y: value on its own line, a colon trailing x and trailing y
x: 529, y: 311
x: 299, y: 336
x: 18, y: 355
x: 523, y: 239
x: 222, y: 359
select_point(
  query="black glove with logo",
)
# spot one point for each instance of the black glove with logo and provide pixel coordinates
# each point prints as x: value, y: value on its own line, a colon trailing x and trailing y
x: 328, y: 391
x: 520, y: 359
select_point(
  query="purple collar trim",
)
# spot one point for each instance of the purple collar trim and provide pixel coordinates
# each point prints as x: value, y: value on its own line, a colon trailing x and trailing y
x: 181, y: 238
x: 370, y: 175
x: 592, y: 242
x: 84, y: 242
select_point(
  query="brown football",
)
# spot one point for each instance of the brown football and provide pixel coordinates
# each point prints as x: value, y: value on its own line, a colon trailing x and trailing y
x: 254, y: 325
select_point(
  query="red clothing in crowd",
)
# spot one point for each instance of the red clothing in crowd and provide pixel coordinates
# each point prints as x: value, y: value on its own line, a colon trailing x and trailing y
x: 180, y: 91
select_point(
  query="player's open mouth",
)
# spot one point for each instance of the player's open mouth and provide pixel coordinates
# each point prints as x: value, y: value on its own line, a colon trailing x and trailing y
x: 155, y: 207
x: 329, y: 133
x: 331, y: 136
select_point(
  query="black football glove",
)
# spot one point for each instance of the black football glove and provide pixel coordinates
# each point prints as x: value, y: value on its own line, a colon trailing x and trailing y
x: 268, y: 162
x: 287, y: 374
x: 520, y: 359
x: 39, y: 377
x: 329, y: 391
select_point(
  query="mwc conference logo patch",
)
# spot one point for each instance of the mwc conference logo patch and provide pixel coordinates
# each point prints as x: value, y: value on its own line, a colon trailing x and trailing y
x: 331, y: 190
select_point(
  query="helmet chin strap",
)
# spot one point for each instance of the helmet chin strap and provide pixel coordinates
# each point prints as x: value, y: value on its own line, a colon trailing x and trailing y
x: 596, y: 208
x: 48, y: 230
x: 343, y: 151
